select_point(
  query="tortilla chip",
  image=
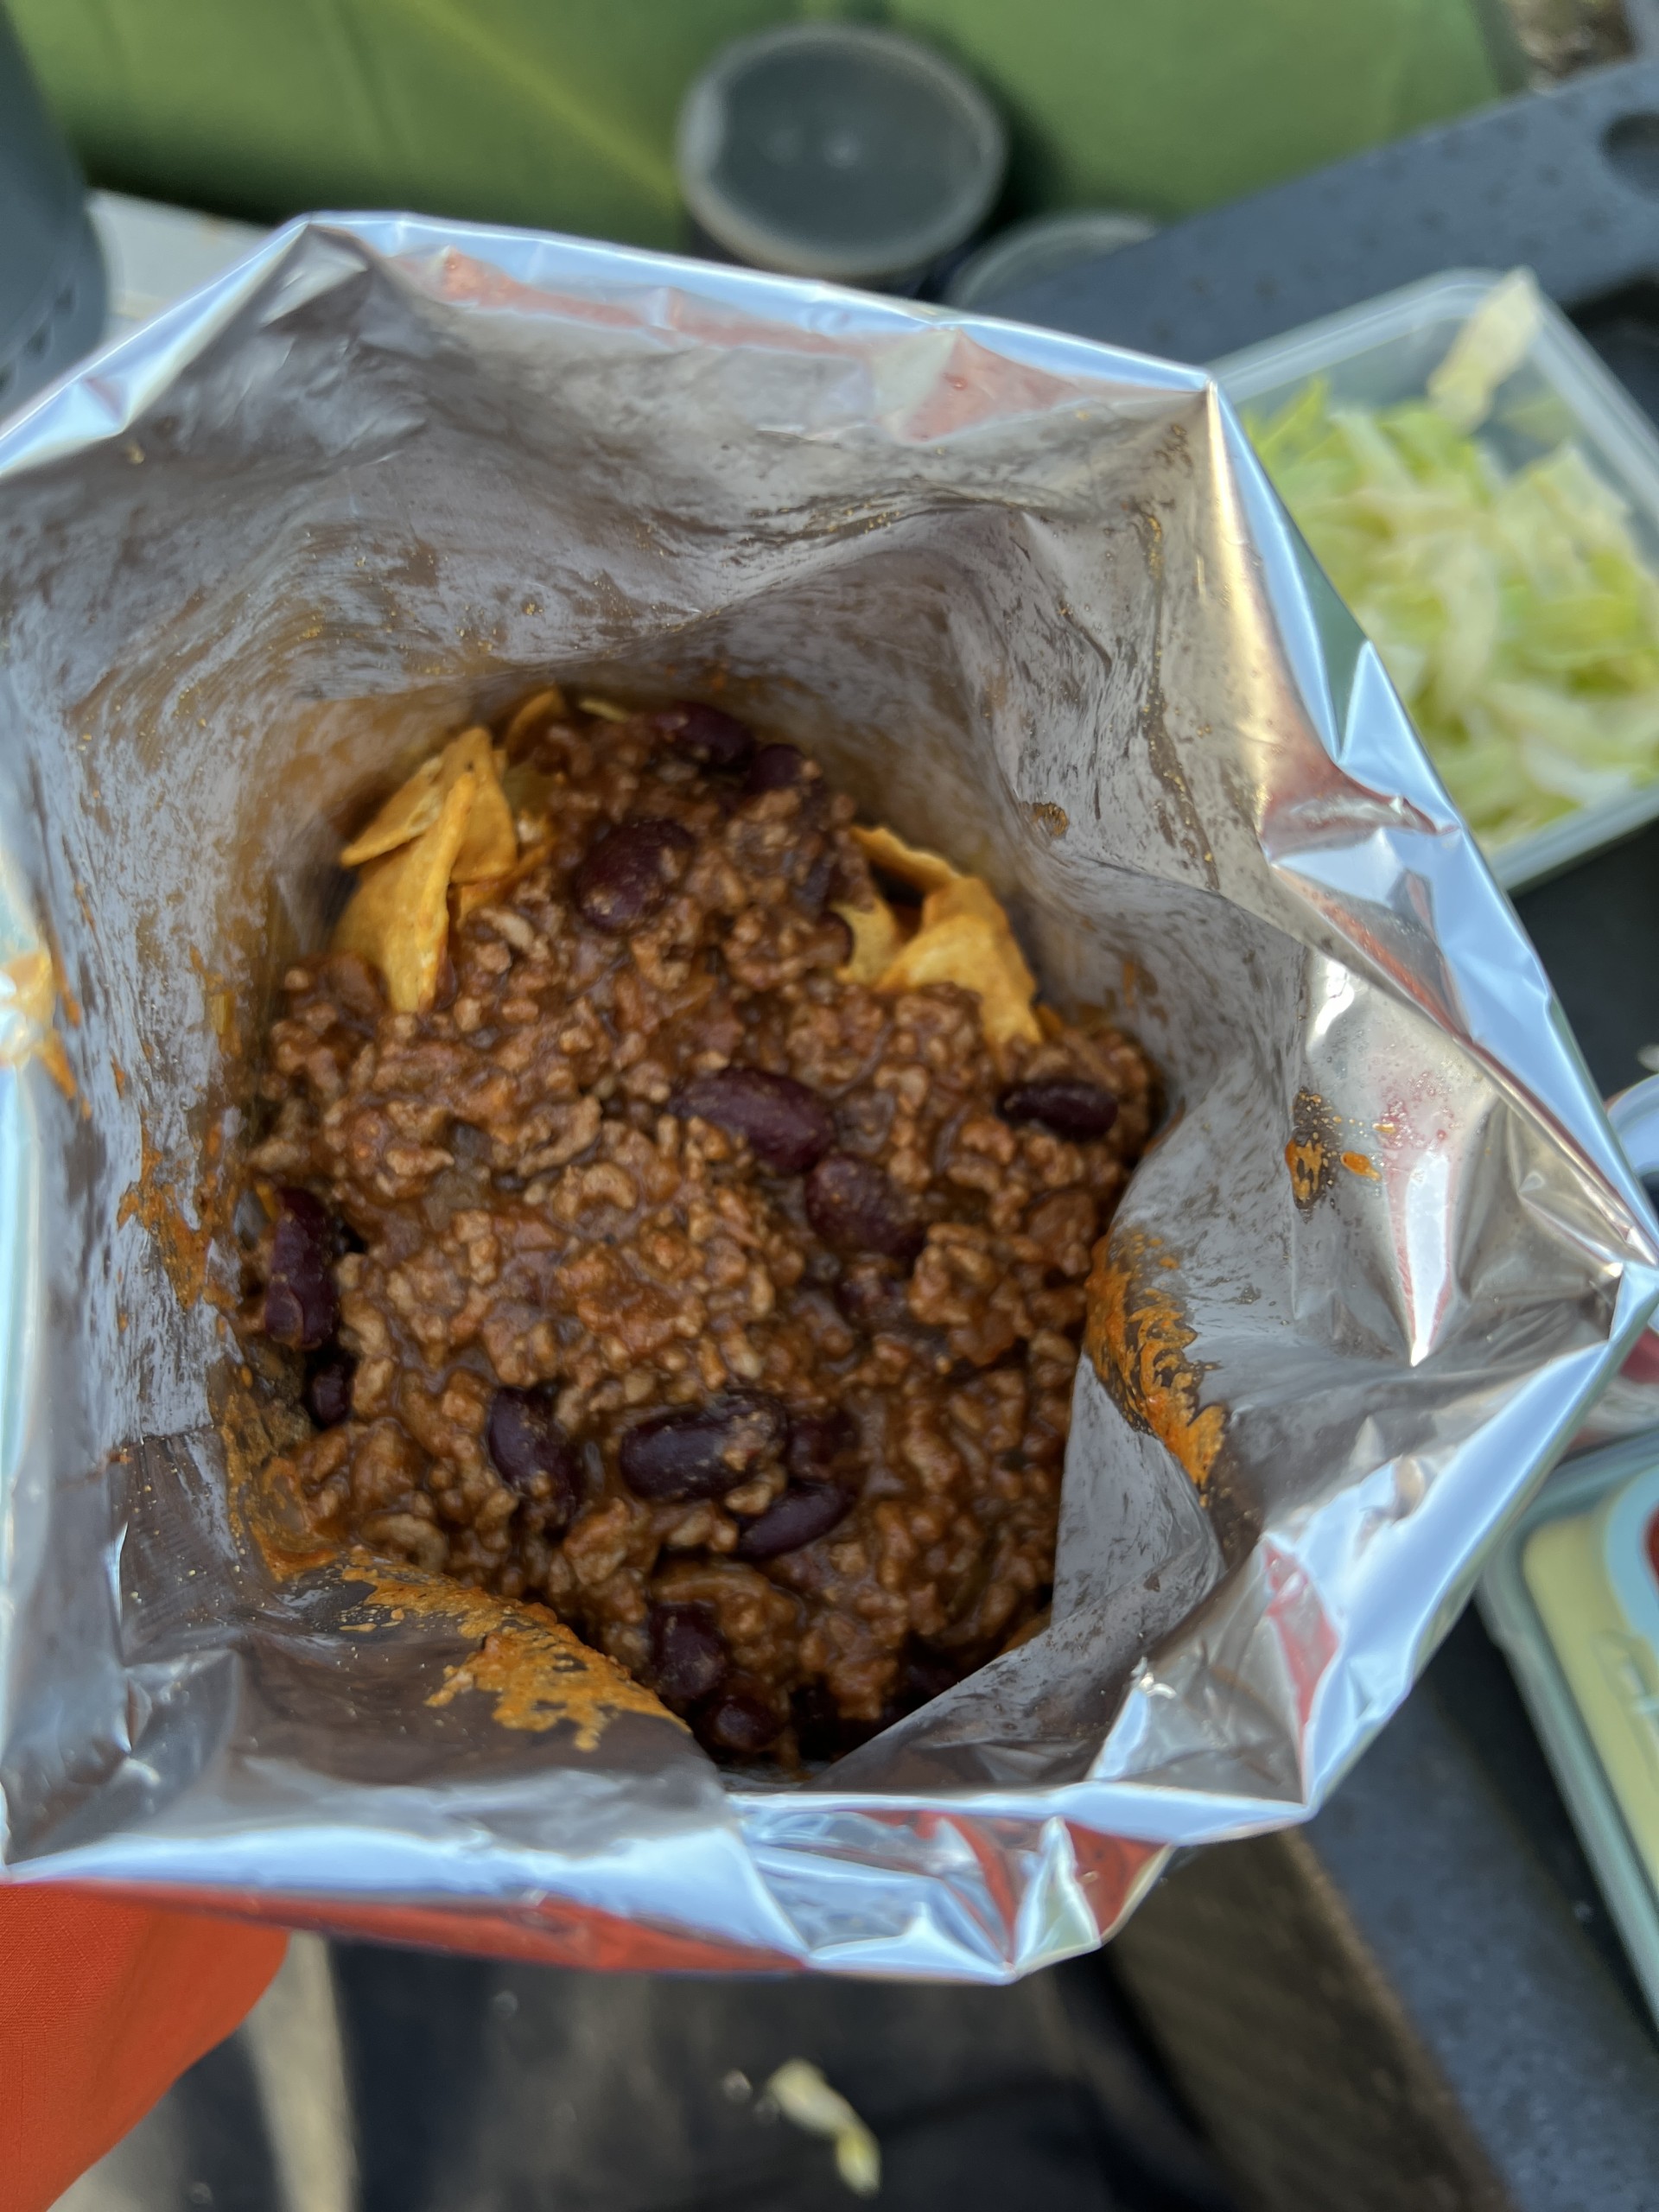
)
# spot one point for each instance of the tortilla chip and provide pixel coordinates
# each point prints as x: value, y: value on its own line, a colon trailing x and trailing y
x: 966, y: 938
x: 971, y: 895
x: 966, y: 894
x: 876, y: 938
x: 531, y: 791
x: 548, y: 706
x: 467, y: 898
x: 411, y: 811
x: 398, y: 918
x: 489, y: 846
x: 925, y: 871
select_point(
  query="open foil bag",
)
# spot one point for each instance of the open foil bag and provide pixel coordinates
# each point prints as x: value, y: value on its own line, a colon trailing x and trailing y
x: 1033, y: 602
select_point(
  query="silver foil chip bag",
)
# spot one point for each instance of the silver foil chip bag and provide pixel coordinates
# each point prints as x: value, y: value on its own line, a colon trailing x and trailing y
x: 1033, y: 602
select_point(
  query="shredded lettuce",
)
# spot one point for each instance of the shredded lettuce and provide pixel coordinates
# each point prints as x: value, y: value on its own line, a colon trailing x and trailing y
x: 1513, y: 608
x: 1491, y: 347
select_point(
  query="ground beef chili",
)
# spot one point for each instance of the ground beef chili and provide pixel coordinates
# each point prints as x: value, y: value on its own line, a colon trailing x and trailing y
x: 727, y: 1308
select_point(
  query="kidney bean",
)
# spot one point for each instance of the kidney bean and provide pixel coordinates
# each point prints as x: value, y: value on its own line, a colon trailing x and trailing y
x: 817, y: 1720
x: 687, y: 1657
x: 1063, y: 1104
x: 803, y: 1513
x: 327, y: 1392
x: 822, y: 1730
x: 705, y: 733
x: 532, y: 1454
x: 700, y: 1451
x: 626, y: 877
x: 922, y: 1676
x: 777, y: 768
x: 816, y: 1442
x: 788, y: 1126
x: 814, y: 889
x: 856, y: 1208
x: 873, y: 1297
x: 302, y: 1304
x: 742, y: 1719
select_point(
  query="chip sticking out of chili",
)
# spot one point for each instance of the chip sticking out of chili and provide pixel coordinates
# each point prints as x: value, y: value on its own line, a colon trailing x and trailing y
x: 399, y: 918
x: 876, y: 938
x: 968, y: 948
x: 923, y: 871
x: 489, y: 847
x: 965, y: 938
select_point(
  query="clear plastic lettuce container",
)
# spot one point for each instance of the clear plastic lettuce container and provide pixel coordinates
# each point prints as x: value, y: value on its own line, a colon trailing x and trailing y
x: 1383, y: 351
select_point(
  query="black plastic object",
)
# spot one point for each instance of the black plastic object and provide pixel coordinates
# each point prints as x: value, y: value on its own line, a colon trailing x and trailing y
x: 1624, y: 328
x: 51, y: 272
x: 1612, y: 898
x: 1566, y: 181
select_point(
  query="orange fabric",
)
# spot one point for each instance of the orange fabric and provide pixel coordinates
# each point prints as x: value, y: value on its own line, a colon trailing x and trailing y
x: 103, y: 2005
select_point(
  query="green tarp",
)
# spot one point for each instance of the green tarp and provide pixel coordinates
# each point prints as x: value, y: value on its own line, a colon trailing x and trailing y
x: 560, y: 113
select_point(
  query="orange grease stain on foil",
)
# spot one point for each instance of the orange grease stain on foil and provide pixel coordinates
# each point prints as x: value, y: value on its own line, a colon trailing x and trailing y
x: 264, y: 1486
x: 1307, y: 1163
x: 182, y: 1246
x: 1138, y: 1338
x: 538, y: 1671
x: 29, y: 984
x: 157, y: 1199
